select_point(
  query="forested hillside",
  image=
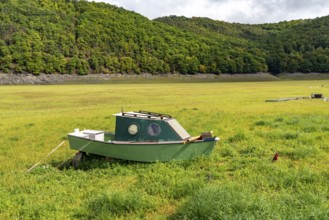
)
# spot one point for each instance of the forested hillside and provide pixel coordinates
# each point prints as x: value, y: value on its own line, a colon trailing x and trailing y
x: 70, y: 36
x: 301, y: 48
x: 294, y: 46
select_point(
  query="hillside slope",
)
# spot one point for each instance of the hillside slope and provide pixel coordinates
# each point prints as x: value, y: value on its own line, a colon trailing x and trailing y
x: 69, y: 36
x: 294, y: 46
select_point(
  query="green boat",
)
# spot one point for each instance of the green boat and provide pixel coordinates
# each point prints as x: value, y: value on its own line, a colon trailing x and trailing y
x: 142, y: 136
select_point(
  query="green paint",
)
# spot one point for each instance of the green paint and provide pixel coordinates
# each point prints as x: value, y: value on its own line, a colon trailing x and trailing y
x: 148, y: 152
x: 142, y: 136
x: 122, y: 123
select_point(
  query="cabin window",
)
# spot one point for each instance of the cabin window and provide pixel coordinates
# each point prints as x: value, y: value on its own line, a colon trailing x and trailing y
x: 133, y: 129
x: 153, y: 129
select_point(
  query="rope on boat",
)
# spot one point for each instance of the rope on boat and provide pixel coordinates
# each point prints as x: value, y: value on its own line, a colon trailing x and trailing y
x: 45, y: 157
x: 85, y: 145
x: 78, y: 151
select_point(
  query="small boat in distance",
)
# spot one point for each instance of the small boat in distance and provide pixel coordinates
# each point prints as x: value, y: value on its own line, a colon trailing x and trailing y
x: 142, y: 136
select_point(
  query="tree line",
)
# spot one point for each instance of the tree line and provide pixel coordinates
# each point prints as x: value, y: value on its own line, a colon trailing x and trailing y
x: 80, y: 37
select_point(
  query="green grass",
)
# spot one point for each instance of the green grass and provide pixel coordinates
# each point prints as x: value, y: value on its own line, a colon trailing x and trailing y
x: 238, y: 181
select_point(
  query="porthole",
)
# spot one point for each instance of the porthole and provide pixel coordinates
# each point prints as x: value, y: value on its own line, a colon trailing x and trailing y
x: 153, y: 129
x: 133, y: 129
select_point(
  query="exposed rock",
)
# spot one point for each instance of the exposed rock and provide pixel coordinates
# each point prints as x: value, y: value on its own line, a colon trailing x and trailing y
x: 44, y: 79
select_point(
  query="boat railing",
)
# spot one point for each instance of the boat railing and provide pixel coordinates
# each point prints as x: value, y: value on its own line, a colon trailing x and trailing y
x: 156, y: 114
x: 147, y: 114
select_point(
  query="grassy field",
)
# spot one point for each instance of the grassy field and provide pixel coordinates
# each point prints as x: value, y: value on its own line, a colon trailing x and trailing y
x: 238, y: 181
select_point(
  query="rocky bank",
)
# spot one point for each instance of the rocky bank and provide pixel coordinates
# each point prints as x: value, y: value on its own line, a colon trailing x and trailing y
x: 45, y: 79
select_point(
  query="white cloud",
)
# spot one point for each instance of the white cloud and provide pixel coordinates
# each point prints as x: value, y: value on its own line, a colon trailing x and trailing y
x: 242, y: 11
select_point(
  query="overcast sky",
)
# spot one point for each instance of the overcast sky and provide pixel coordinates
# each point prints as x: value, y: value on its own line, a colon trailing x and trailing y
x: 242, y: 11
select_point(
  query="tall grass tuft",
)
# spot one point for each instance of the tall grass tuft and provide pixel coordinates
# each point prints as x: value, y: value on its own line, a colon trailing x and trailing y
x: 240, y: 136
x: 235, y: 201
x: 117, y: 204
x: 301, y: 152
x: 227, y: 151
x: 224, y: 202
x: 169, y: 182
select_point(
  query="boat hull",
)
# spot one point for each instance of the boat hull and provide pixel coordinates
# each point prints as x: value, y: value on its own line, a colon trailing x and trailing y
x: 146, y: 152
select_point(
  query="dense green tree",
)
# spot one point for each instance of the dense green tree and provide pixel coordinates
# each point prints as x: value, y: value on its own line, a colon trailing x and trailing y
x: 82, y: 37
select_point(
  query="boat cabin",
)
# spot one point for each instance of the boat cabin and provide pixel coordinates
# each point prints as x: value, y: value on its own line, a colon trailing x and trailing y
x: 142, y: 136
x: 148, y: 126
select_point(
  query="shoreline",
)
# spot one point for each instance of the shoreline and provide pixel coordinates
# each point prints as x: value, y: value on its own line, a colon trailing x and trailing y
x: 53, y: 79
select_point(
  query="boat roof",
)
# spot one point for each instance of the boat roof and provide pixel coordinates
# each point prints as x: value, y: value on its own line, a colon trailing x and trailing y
x: 169, y: 125
x: 144, y: 115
